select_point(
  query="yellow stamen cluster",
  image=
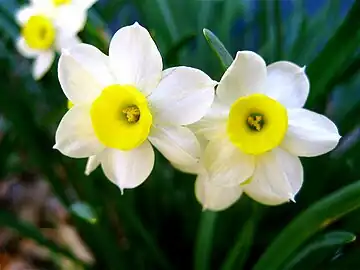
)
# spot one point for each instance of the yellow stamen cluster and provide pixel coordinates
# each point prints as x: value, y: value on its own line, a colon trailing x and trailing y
x: 132, y: 114
x: 255, y: 122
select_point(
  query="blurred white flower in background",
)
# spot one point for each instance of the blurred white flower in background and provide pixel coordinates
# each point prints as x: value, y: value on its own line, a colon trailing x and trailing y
x: 48, y: 26
x: 256, y: 129
x: 124, y: 103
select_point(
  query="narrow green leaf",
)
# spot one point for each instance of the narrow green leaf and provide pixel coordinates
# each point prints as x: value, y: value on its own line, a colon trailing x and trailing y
x: 238, y: 254
x: 315, y: 218
x: 203, y: 244
x: 219, y: 48
x: 29, y: 231
x: 279, y: 31
x: 344, y: 42
x: 169, y: 19
x: 330, y: 239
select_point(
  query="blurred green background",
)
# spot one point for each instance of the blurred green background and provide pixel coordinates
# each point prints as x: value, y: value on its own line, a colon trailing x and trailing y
x: 54, y: 217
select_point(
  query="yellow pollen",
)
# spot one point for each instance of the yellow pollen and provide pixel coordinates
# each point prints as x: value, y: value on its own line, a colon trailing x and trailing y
x: 255, y: 122
x: 39, y: 32
x: 132, y: 114
x: 61, y: 2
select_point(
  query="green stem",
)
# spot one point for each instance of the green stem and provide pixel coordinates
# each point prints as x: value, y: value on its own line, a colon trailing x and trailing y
x: 203, y: 245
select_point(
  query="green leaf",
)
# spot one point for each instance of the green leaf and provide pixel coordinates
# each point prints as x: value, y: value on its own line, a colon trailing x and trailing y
x: 335, y: 56
x: 219, y: 48
x: 238, y: 254
x: 331, y: 239
x: 315, y: 218
x: 169, y: 19
x: 203, y: 245
x: 29, y: 231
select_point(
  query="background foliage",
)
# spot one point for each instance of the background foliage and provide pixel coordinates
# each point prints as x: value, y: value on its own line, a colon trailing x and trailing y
x: 160, y: 225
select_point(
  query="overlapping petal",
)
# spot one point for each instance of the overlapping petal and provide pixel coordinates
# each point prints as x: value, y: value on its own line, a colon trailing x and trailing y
x: 213, y: 125
x: 246, y: 75
x: 128, y: 169
x: 178, y: 144
x: 135, y: 58
x: 92, y: 163
x: 75, y: 135
x: 287, y: 83
x: 83, y: 73
x: 182, y: 97
x: 309, y: 133
x: 226, y: 164
x: 213, y: 197
x: 277, y: 178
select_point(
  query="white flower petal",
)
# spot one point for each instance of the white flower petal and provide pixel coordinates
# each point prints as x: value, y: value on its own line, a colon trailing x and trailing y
x: 178, y: 144
x: 128, y: 169
x: 92, y: 163
x: 42, y: 64
x: 75, y: 136
x: 226, y: 164
x: 83, y: 73
x: 24, y: 49
x: 309, y: 134
x: 213, y: 125
x: 70, y: 19
x: 183, y: 96
x: 287, y: 83
x: 198, y: 167
x: 135, y: 58
x: 24, y: 13
x: 277, y: 178
x: 213, y: 197
x: 84, y: 4
x: 66, y: 41
x: 245, y: 76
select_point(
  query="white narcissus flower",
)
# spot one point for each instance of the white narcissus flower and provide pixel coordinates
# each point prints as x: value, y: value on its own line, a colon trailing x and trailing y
x: 48, y: 26
x: 256, y: 129
x: 124, y: 103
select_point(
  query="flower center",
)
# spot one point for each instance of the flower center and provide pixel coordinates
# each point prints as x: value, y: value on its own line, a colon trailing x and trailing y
x: 132, y: 114
x: 61, y: 2
x: 255, y: 121
x: 39, y: 32
x: 257, y: 124
x: 121, y: 117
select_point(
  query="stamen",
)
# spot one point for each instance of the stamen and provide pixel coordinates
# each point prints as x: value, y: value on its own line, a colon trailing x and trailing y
x: 255, y: 121
x: 132, y: 114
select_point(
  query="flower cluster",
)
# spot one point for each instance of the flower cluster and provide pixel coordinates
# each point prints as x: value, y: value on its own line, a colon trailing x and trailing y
x: 48, y: 26
x: 244, y: 137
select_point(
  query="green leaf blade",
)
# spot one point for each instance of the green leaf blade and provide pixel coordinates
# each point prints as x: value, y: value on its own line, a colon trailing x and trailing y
x: 312, y: 220
x: 218, y: 47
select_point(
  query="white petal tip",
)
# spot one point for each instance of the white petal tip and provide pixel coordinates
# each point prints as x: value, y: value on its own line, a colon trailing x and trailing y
x: 55, y: 146
x: 136, y: 24
x: 87, y: 173
x: 303, y: 69
x: 292, y: 198
x: 122, y: 191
